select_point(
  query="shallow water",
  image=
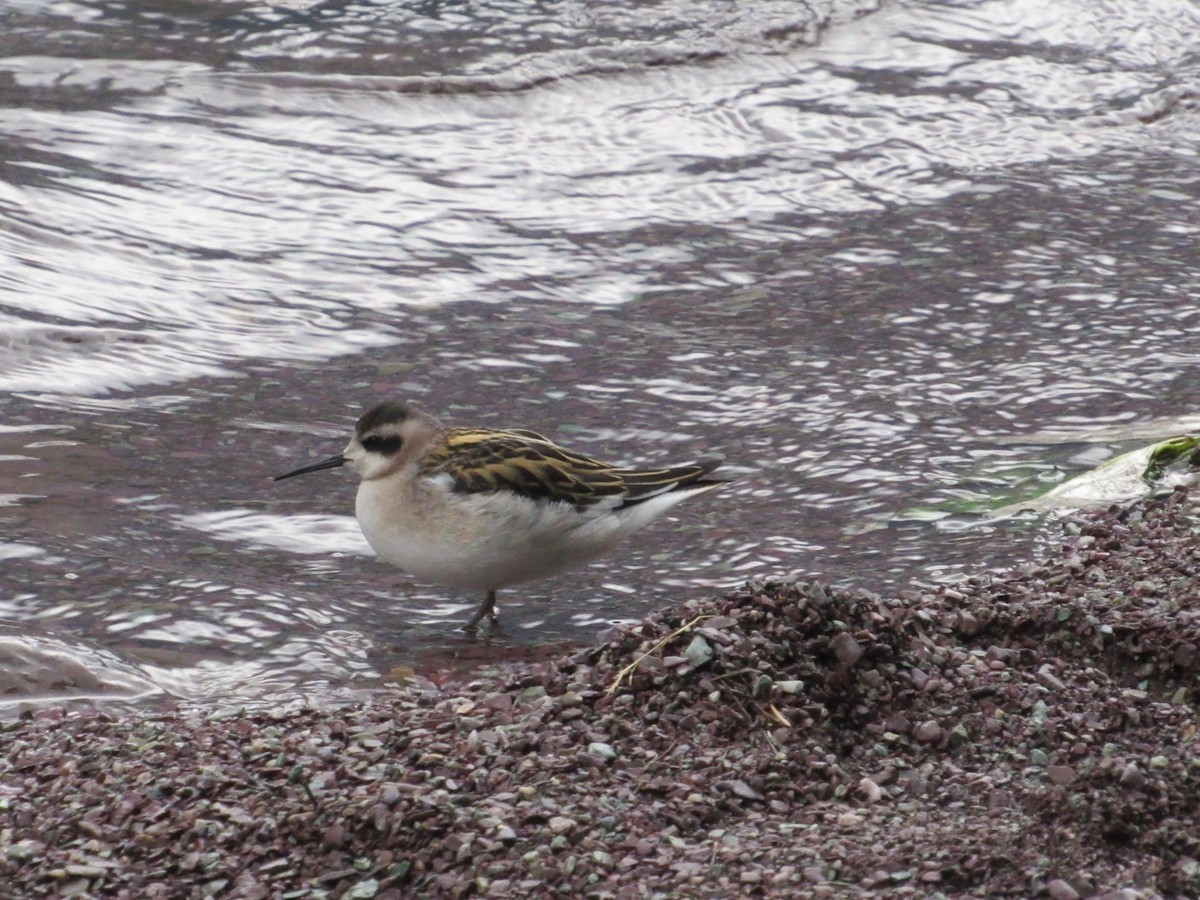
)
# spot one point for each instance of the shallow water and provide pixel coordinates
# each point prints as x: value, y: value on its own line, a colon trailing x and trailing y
x: 891, y: 261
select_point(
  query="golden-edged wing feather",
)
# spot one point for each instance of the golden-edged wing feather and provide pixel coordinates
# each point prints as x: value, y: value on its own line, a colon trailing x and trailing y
x: 532, y: 466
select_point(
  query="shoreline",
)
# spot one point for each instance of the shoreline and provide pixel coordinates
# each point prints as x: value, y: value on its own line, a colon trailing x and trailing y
x: 1029, y: 733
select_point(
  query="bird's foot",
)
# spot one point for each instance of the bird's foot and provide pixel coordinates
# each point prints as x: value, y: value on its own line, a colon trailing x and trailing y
x: 486, y: 608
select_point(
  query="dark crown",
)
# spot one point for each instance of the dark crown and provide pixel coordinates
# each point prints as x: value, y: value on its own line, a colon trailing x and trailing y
x: 387, y: 413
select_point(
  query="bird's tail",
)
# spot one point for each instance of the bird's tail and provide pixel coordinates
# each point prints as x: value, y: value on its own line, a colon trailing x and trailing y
x: 646, y: 484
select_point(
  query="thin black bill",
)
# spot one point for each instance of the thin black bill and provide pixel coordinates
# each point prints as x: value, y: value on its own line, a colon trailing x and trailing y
x: 332, y: 463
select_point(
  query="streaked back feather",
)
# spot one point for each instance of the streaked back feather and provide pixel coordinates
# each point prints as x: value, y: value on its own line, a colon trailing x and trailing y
x: 530, y: 465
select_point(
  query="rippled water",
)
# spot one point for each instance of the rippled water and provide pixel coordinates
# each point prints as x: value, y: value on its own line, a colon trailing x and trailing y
x: 891, y: 259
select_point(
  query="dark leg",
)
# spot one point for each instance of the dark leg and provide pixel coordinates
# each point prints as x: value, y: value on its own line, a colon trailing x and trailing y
x: 486, y: 608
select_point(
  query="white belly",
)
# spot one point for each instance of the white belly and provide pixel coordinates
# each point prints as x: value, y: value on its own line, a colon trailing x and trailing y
x: 480, y: 541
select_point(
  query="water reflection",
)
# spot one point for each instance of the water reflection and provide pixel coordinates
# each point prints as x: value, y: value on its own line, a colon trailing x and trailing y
x: 294, y: 534
x: 37, y: 668
x: 221, y: 216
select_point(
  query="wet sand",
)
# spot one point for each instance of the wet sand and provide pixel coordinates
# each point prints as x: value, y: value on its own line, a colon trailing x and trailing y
x: 1026, y: 734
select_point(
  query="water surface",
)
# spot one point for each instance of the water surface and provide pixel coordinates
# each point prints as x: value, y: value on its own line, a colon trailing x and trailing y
x: 891, y: 259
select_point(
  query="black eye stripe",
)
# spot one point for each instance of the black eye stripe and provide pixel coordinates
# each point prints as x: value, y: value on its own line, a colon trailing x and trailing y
x: 379, y: 444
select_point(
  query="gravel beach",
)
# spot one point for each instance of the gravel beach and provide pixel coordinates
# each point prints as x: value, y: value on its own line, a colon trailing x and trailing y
x: 1027, y: 734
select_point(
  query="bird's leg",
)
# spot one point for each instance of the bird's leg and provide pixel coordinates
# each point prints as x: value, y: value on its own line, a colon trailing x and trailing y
x: 486, y: 608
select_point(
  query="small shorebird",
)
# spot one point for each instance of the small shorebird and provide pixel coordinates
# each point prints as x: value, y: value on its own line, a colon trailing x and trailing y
x: 481, y: 509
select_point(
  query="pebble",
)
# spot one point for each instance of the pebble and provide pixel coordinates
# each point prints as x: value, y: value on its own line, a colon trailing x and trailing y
x: 602, y: 750
x: 847, y: 650
x: 1046, y: 676
x: 968, y: 622
x: 743, y: 790
x: 928, y: 732
x: 870, y: 791
x: 87, y: 871
x: 76, y: 887
x: 698, y: 652
x: 1060, y: 890
x: 561, y: 824
x: 1132, y: 778
x: 1060, y: 774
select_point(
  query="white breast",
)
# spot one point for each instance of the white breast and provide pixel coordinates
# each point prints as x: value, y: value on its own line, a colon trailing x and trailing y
x: 488, y: 541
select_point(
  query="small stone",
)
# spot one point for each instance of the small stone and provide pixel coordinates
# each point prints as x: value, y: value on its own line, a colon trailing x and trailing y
x: 1188, y: 867
x: 698, y: 652
x: 561, y: 824
x: 1060, y: 774
x: 76, y: 887
x: 1046, y: 676
x: 928, y: 732
x: 762, y: 684
x: 968, y: 623
x: 1060, y: 890
x: 847, y: 649
x: 743, y: 790
x: 1132, y: 778
x: 23, y: 850
x: 85, y: 871
x: 1039, y: 712
x: 870, y: 791
x: 603, y: 751
x: 849, y: 820
x: 790, y: 687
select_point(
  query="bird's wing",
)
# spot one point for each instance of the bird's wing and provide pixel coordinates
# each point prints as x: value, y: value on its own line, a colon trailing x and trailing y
x: 642, y: 484
x: 531, y: 466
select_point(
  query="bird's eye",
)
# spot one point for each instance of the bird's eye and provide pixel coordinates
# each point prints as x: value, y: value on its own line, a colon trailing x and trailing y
x: 376, y: 443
